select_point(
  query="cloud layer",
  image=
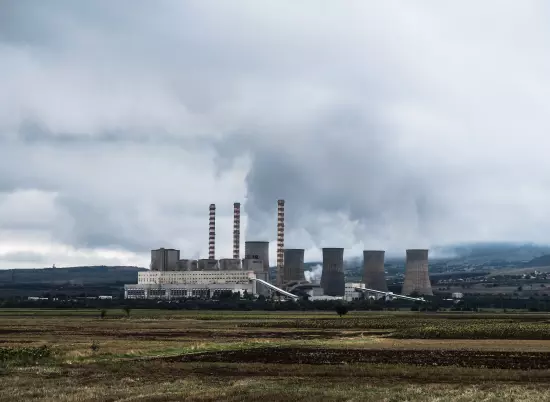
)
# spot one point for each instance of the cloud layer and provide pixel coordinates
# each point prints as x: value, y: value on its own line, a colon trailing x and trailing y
x: 388, y: 124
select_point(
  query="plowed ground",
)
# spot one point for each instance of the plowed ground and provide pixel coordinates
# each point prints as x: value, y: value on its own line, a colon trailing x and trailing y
x: 461, y: 358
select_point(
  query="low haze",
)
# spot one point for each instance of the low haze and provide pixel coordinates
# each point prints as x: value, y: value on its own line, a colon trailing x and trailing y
x: 389, y: 124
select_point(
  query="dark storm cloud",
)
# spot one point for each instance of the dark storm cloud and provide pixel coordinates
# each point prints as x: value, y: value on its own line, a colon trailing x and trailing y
x: 390, y: 124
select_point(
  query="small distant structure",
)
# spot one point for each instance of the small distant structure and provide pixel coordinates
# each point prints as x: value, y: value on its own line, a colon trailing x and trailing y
x: 53, y: 266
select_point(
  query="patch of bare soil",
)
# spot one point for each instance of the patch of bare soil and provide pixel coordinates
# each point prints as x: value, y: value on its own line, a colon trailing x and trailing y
x: 461, y: 358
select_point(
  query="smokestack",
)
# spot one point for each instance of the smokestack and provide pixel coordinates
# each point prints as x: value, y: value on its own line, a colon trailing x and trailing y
x: 236, y: 230
x: 212, y: 233
x: 332, y: 278
x: 294, y: 265
x: 373, y: 270
x: 417, y: 278
x: 280, y: 241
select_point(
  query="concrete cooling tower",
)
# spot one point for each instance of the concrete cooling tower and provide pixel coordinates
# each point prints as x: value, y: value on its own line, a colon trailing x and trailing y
x: 373, y: 270
x: 417, y: 279
x: 257, y: 250
x: 293, y: 265
x: 332, y: 279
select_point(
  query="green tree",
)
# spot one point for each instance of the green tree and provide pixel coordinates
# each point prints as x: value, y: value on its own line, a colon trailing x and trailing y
x: 341, y: 309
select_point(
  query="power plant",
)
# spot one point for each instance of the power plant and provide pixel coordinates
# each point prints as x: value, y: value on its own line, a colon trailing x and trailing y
x: 172, y: 277
x: 374, y: 275
x: 417, y: 278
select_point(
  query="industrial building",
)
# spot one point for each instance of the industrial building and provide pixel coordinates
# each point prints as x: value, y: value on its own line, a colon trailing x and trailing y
x: 229, y: 264
x: 187, y: 265
x: 170, y: 276
x: 200, y: 284
x: 208, y: 264
x: 164, y: 259
x: 257, y: 250
x: 351, y: 293
x: 417, y: 278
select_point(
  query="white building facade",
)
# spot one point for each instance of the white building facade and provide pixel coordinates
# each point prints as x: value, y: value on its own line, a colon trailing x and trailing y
x: 199, y: 284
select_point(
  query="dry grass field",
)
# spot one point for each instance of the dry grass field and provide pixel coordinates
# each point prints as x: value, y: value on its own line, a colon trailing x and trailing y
x: 74, y: 355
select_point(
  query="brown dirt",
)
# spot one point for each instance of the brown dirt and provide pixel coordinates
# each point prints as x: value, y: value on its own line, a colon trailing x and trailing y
x: 461, y: 358
x: 163, y: 334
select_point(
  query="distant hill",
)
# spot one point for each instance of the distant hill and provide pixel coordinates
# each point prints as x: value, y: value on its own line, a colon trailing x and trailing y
x: 73, y: 275
x: 492, y: 251
x: 542, y: 261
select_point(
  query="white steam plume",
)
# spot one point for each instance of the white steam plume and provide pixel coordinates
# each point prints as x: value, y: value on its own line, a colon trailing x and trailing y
x: 314, y: 276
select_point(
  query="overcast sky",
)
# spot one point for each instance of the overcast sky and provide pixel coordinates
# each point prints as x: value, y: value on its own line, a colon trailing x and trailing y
x: 384, y: 124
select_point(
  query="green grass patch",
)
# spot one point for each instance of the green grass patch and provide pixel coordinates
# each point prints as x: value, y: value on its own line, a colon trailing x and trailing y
x: 25, y: 355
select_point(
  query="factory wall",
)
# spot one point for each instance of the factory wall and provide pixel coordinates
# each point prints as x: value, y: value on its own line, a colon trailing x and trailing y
x: 194, y: 277
x: 187, y: 265
x: 208, y: 264
x: 351, y: 293
x: 373, y: 270
x: 180, y: 290
x: 332, y: 278
x: 230, y: 264
x: 257, y: 250
x: 202, y: 284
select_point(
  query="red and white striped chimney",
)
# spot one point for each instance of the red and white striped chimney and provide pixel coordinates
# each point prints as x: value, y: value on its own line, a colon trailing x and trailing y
x: 280, y: 241
x: 212, y: 233
x: 236, y: 230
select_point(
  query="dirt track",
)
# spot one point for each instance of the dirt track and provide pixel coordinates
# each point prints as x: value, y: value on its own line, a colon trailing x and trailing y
x: 462, y: 358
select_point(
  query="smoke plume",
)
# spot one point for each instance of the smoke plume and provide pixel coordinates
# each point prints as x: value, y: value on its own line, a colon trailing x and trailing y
x: 314, y: 276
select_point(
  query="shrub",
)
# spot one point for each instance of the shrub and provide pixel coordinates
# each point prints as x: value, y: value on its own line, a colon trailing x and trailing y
x: 341, y: 309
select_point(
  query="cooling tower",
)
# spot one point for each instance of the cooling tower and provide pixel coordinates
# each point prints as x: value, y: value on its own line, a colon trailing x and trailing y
x: 257, y: 250
x: 417, y: 279
x: 373, y: 270
x: 332, y: 279
x: 293, y: 265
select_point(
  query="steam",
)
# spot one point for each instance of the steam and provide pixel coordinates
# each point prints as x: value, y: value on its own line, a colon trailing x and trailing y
x: 314, y: 276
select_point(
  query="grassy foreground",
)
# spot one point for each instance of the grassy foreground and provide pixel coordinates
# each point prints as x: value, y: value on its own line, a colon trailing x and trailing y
x: 55, y: 355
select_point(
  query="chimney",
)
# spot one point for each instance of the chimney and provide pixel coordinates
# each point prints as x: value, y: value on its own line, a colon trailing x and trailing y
x: 212, y: 233
x: 236, y: 230
x: 280, y: 241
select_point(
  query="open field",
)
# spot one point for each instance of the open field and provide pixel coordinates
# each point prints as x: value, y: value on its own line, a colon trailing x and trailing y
x: 153, y: 355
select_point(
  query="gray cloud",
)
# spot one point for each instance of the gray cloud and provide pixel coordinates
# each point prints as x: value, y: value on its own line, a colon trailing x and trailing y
x: 393, y: 124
